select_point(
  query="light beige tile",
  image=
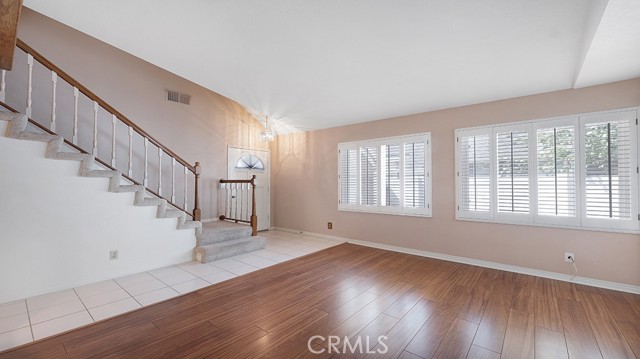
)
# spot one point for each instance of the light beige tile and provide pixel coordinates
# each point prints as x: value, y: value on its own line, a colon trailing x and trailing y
x: 13, y: 308
x: 134, y: 279
x: 190, y: 286
x: 55, y: 311
x: 14, y: 338
x: 51, y: 299
x: 177, y: 278
x: 219, y: 277
x: 143, y: 287
x: 14, y: 322
x: 201, y: 269
x: 97, y: 288
x: 156, y: 296
x: 62, y: 324
x: 166, y: 272
x: 105, y: 298
x: 113, y: 309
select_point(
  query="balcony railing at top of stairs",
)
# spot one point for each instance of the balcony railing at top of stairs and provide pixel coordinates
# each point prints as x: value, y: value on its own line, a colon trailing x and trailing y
x: 136, y: 166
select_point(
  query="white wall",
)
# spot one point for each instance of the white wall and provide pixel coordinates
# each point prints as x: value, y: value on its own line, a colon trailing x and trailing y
x: 56, y: 228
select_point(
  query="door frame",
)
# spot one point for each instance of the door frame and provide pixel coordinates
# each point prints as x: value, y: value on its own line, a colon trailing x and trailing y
x: 267, y: 172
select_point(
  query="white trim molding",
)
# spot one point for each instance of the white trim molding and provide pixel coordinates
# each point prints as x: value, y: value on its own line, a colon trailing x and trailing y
x: 629, y: 288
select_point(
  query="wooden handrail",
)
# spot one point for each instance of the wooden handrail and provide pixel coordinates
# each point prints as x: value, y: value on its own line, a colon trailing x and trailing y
x: 103, y: 163
x: 253, y: 220
x: 73, y: 82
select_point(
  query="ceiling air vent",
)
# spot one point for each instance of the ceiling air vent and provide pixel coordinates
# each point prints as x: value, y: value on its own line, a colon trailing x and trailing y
x: 178, y: 97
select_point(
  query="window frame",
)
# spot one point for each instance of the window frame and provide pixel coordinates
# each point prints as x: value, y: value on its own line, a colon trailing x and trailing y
x: 378, y: 207
x: 580, y: 221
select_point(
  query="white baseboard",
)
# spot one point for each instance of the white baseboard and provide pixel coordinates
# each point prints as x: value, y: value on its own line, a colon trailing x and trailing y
x: 481, y: 263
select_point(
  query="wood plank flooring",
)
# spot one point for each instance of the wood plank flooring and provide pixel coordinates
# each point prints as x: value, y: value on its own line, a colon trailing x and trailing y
x: 424, y: 308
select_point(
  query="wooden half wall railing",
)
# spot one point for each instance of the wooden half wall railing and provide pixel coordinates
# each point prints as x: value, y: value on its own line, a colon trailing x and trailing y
x: 117, y: 120
x: 240, y: 202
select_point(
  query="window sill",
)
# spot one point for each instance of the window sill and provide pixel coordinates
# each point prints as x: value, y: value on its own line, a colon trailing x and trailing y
x: 547, y: 225
x: 425, y: 215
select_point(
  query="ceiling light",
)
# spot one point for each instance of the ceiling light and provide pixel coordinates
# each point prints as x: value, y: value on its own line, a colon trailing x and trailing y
x: 268, y: 134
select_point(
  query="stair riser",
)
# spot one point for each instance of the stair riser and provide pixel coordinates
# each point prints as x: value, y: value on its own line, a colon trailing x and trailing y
x: 206, y: 255
x: 223, y: 235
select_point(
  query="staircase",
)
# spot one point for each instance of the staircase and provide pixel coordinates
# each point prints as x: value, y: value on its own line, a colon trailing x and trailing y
x: 16, y: 129
x: 172, y: 199
x: 221, y: 239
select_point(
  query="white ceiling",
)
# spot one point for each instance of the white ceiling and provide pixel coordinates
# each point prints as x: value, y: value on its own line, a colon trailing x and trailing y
x: 315, y: 64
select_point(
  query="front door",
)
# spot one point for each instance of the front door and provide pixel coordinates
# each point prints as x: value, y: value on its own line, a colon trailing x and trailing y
x: 243, y: 164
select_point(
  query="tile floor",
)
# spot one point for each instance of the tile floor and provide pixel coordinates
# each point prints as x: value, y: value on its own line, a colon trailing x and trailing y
x: 38, y: 317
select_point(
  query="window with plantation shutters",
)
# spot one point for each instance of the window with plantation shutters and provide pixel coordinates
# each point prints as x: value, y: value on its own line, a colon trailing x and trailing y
x: 415, y: 175
x: 513, y: 171
x: 392, y: 175
x: 610, y: 168
x: 390, y: 179
x: 576, y: 171
x: 556, y: 171
x: 348, y: 176
x: 474, y: 172
x: 369, y: 175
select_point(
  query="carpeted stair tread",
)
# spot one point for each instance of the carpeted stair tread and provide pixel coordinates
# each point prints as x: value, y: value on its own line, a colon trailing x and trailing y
x: 70, y: 156
x: 39, y: 137
x: 230, y: 248
x: 190, y: 225
x: 172, y: 213
x: 100, y: 173
x: 128, y: 188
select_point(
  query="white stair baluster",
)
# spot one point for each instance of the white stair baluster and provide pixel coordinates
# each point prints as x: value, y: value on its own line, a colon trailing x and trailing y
x: 95, y: 129
x: 186, y: 193
x: 146, y: 162
x: 3, y: 86
x: 160, y: 171
x: 29, y: 85
x: 130, y: 152
x: 113, y: 141
x: 54, y: 82
x: 173, y: 180
x: 76, y: 93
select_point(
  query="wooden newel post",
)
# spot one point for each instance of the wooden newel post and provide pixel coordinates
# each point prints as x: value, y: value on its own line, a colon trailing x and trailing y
x: 254, y: 217
x: 197, y: 213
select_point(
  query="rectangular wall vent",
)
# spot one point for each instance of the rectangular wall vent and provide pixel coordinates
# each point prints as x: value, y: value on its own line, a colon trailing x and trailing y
x: 178, y: 97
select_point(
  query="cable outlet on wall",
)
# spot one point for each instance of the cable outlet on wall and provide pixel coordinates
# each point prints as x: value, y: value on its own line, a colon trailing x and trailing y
x: 569, y: 257
x: 113, y: 255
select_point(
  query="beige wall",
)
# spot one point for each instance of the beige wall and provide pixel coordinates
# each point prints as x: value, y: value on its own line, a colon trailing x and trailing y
x: 199, y: 132
x: 304, y: 183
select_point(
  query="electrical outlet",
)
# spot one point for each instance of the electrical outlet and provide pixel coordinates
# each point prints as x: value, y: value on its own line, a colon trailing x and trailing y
x: 113, y: 255
x: 329, y: 225
x: 569, y: 257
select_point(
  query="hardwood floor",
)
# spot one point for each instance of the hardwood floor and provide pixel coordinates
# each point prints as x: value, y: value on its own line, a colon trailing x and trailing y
x: 424, y: 308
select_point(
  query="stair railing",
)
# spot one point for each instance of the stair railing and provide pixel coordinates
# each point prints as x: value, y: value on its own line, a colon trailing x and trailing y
x: 240, y: 202
x: 117, y: 120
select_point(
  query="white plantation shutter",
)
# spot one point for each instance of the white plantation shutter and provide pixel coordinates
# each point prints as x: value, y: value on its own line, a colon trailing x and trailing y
x: 348, y: 163
x: 415, y: 175
x: 577, y: 172
x: 556, y: 170
x: 474, y: 173
x: 610, y: 169
x: 513, y: 171
x: 369, y: 175
x: 387, y: 175
x: 390, y: 175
